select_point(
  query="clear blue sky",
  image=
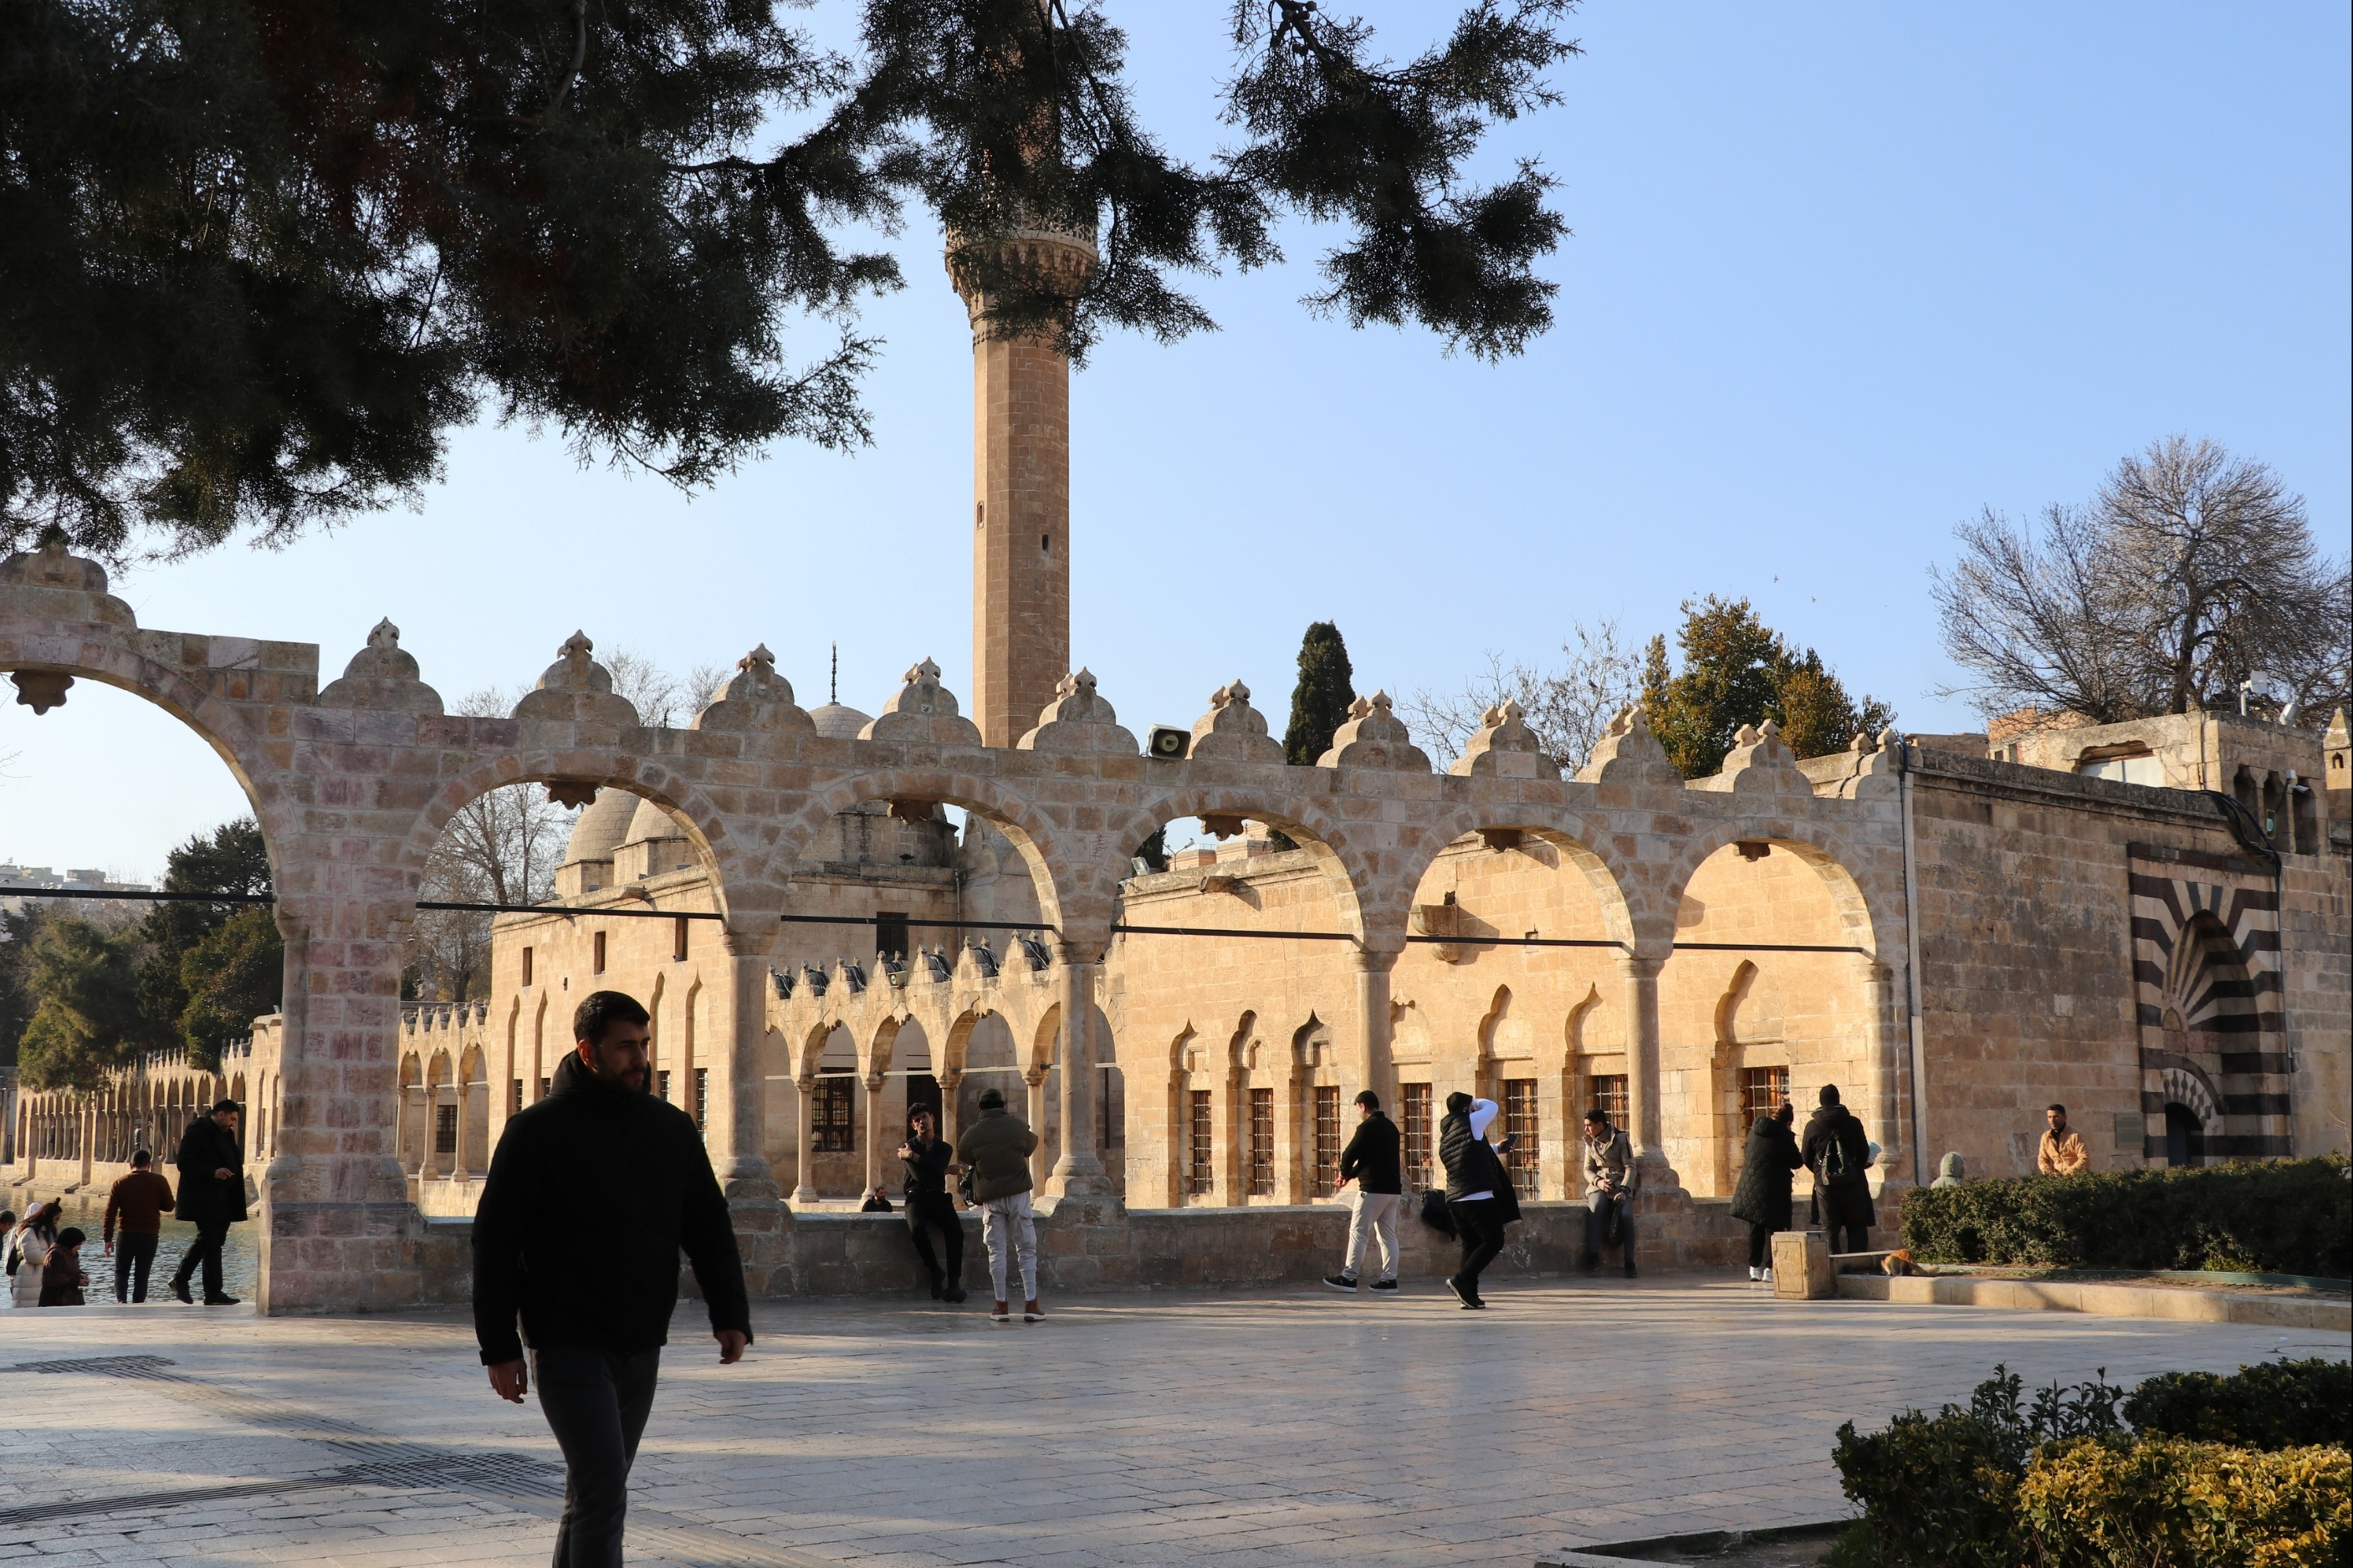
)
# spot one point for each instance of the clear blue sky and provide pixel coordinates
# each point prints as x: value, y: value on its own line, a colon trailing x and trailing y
x: 1842, y: 275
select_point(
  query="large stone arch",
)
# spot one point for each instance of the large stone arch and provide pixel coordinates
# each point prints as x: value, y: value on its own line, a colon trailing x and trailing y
x: 1870, y: 914
x: 1595, y: 856
x: 1348, y: 868
x: 1058, y: 875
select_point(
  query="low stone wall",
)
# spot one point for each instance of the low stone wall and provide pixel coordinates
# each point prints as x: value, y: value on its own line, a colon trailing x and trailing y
x: 1095, y: 1244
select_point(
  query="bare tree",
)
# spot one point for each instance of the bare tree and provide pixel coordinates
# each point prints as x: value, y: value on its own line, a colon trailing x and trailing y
x: 663, y: 700
x: 2190, y: 572
x: 1569, y: 708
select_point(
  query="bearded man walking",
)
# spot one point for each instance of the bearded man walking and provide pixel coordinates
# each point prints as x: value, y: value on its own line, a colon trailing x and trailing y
x: 591, y: 1195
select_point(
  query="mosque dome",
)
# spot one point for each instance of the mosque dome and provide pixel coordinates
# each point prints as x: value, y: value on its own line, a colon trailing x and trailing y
x: 837, y: 722
x: 601, y: 828
x: 652, y: 821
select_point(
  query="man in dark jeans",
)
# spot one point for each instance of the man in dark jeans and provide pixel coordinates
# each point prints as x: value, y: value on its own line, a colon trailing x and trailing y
x: 1839, y: 1155
x: 212, y: 1197
x: 1479, y: 1195
x: 591, y: 1195
x: 929, y: 1163
x: 135, y: 1208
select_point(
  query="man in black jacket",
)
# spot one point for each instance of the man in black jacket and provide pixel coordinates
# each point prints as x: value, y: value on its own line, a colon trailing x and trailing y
x: 1371, y: 1162
x: 1838, y: 1154
x: 591, y: 1195
x: 212, y: 1197
x: 930, y: 1160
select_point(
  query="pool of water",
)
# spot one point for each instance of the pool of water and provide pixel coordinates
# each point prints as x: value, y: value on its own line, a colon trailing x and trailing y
x: 241, y: 1256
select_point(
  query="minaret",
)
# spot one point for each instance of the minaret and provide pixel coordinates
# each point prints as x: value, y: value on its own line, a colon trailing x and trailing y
x: 1020, y: 500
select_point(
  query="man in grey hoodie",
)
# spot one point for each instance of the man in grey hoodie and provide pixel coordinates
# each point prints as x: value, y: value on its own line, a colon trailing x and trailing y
x: 997, y: 1147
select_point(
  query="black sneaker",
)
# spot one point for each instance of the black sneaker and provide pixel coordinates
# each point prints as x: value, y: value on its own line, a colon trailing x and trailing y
x: 1592, y: 1263
x: 222, y: 1301
x: 180, y: 1292
x: 1386, y: 1287
x: 1454, y: 1284
x: 1341, y: 1282
x: 1629, y: 1269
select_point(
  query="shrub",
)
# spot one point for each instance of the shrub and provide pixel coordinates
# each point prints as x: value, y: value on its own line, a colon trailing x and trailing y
x: 2274, y: 1404
x: 2286, y: 1216
x: 2104, y: 1503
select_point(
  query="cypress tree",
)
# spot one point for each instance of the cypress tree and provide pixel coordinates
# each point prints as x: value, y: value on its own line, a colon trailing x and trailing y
x: 1319, y: 703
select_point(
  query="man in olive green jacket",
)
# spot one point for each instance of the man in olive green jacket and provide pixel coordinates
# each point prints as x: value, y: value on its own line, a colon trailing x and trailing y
x: 997, y: 1147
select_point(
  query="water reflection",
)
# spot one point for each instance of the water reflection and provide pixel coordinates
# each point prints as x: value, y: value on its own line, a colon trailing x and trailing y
x: 241, y: 1256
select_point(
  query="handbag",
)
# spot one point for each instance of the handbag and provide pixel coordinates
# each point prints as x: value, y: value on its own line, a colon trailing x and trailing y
x: 964, y: 1188
x: 1433, y: 1212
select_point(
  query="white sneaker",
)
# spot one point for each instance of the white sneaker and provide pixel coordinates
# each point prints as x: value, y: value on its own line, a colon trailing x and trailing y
x: 1769, y: 1274
x: 1754, y: 1274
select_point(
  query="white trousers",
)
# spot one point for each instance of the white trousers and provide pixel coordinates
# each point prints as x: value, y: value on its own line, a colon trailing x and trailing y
x: 1007, y: 1226
x: 1375, y: 1215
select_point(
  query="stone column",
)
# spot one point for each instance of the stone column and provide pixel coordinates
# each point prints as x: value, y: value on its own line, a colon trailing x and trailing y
x: 1079, y: 1173
x: 873, y: 1084
x: 804, y: 1142
x: 1882, y: 1111
x: 1642, y: 1087
x: 1372, y: 1066
x: 740, y: 1017
x: 1035, y: 1077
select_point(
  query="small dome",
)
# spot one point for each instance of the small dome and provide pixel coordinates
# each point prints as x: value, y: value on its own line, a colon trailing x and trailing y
x: 836, y: 722
x: 600, y: 829
x: 651, y: 822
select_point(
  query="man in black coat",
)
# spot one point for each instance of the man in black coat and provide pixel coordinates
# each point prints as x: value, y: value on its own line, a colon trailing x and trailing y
x: 591, y: 1195
x: 1479, y: 1194
x: 1371, y: 1160
x: 1837, y: 1154
x: 212, y: 1197
x: 1762, y: 1197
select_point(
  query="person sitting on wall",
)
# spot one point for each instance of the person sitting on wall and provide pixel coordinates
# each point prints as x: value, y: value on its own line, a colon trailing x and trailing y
x: 2062, y: 1153
x: 929, y: 1163
x: 1611, y: 1179
x: 61, y: 1274
x: 1838, y: 1154
x: 876, y: 1202
x: 1762, y: 1198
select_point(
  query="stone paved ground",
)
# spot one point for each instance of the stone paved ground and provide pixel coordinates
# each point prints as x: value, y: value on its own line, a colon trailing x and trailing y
x: 1283, y: 1428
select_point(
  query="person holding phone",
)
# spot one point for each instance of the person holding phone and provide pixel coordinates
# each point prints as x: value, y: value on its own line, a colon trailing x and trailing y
x: 929, y: 1163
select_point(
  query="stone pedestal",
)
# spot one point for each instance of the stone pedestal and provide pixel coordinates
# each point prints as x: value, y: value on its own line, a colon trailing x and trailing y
x: 1801, y: 1265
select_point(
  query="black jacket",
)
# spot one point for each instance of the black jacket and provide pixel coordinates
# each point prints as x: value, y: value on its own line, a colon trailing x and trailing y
x: 1474, y: 1166
x: 1846, y: 1202
x: 593, y: 1193
x: 1370, y: 1160
x: 1766, y: 1169
x: 927, y: 1172
x: 205, y: 1147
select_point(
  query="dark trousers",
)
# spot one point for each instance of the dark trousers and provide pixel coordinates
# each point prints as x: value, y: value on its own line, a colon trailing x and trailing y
x: 1857, y: 1238
x: 206, y: 1250
x: 595, y: 1402
x: 1601, y: 1209
x: 134, y: 1254
x: 925, y: 1210
x: 1760, y: 1245
x: 1481, y: 1235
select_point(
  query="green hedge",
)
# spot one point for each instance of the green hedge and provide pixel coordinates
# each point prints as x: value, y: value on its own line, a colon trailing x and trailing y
x: 2058, y: 1479
x: 2286, y: 1216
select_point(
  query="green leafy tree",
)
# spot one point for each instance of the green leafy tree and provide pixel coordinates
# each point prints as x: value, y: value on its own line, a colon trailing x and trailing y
x: 232, y: 976
x: 87, y: 1019
x: 17, y: 1002
x: 1736, y: 671
x: 262, y: 257
x: 231, y: 859
x: 1319, y: 703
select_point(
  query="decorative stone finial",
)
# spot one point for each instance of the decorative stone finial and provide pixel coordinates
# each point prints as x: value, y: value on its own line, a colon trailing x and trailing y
x: 1504, y: 748
x: 755, y: 699
x: 1630, y: 755
x: 50, y: 583
x: 1758, y: 764
x: 382, y: 675
x: 576, y: 688
x: 922, y: 711
x: 1233, y: 730
x: 1077, y: 719
x: 1374, y: 737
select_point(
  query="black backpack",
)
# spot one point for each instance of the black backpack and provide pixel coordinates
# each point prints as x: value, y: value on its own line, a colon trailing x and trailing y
x: 1835, y: 1170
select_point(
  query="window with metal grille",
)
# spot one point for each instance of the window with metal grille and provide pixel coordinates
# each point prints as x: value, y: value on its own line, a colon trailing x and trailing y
x: 1762, y: 1091
x: 445, y: 1129
x: 1413, y: 1122
x: 1261, y: 1142
x: 662, y: 1086
x: 832, y: 1117
x: 1520, y: 1125
x: 596, y: 946
x: 1201, y: 1171
x: 703, y: 1097
x: 1328, y: 1140
x: 1608, y: 1092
